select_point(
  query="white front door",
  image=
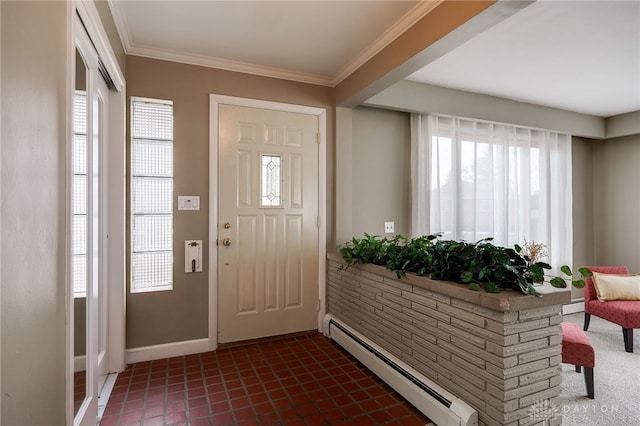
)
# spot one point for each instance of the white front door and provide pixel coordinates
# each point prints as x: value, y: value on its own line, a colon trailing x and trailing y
x: 267, y: 222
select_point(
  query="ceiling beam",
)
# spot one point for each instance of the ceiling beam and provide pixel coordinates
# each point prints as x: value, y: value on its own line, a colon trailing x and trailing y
x: 446, y: 27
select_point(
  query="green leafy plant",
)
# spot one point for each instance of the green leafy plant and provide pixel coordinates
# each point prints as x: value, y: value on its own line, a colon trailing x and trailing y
x: 481, y: 265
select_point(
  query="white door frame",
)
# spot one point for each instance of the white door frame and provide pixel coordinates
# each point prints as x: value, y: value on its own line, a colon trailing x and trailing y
x: 114, y: 196
x: 321, y: 113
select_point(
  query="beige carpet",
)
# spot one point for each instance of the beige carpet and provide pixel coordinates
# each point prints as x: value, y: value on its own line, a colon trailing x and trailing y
x: 616, y: 377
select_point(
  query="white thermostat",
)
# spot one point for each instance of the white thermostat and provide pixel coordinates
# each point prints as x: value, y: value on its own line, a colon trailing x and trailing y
x: 188, y: 202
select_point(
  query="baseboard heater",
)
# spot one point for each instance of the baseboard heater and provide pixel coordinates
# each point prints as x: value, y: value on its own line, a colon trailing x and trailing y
x: 440, y: 406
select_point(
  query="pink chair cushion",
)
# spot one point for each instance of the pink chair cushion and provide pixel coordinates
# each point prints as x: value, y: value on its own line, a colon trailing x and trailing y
x: 576, y: 346
x: 625, y: 313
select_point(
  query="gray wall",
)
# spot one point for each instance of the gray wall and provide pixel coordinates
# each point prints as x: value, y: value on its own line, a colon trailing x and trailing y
x: 623, y: 125
x: 616, y: 201
x: 416, y: 97
x: 583, y: 226
x: 182, y: 313
x: 32, y: 218
x: 378, y: 173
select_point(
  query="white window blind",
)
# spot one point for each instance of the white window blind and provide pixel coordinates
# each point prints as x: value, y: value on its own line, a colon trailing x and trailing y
x: 151, y: 195
x: 79, y: 196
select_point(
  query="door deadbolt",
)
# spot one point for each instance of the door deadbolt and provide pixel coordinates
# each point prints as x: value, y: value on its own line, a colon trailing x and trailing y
x: 227, y: 225
x: 226, y: 242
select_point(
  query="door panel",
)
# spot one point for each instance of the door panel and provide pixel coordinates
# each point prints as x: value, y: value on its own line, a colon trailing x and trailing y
x: 87, y: 155
x: 293, y: 273
x: 91, y: 155
x: 102, y: 106
x: 268, y: 194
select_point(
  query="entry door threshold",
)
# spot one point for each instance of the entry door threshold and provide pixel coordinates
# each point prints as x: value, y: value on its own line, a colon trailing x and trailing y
x: 265, y: 339
x: 105, y: 393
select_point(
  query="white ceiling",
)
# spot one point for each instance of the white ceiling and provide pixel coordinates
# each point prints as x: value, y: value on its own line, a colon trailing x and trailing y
x: 318, y: 42
x: 581, y: 56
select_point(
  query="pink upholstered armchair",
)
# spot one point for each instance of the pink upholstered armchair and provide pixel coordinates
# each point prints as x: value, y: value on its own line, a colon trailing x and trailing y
x: 625, y: 313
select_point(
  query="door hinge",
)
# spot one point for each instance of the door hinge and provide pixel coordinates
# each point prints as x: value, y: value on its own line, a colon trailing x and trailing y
x: 318, y: 138
x: 318, y: 305
x: 317, y: 221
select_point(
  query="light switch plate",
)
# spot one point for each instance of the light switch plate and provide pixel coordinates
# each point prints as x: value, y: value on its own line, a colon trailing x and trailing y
x: 389, y: 227
x: 188, y: 202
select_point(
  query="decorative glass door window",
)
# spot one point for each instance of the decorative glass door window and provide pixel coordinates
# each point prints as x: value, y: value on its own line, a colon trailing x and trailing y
x: 271, y: 180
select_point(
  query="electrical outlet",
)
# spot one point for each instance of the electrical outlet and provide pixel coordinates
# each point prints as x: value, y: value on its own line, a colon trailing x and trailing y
x: 388, y: 228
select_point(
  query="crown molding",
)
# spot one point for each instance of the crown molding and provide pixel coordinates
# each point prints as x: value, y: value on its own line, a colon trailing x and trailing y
x: 228, y: 65
x: 121, y: 25
x: 421, y: 9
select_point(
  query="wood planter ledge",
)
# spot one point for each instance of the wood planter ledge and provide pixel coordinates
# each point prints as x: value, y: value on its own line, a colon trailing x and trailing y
x: 500, y: 353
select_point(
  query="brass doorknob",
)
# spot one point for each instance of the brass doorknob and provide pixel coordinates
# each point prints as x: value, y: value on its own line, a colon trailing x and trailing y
x: 226, y: 242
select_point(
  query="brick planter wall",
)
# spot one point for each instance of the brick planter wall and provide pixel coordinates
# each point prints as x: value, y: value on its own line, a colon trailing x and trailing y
x: 500, y: 353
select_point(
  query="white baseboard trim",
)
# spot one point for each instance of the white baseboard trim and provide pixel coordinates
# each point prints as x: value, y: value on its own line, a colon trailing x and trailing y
x: 572, y: 308
x: 167, y: 350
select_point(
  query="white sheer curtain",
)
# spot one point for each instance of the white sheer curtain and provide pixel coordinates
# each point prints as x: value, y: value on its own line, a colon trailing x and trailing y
x: 477, y: 179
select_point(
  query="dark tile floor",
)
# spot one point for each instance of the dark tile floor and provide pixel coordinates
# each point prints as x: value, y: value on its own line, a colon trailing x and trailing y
x: 79, y: 389
x: 300, y: 380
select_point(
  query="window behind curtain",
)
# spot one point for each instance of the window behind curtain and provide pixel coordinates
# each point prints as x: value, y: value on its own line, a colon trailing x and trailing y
x: 476, y: 179
x: 151, y: 195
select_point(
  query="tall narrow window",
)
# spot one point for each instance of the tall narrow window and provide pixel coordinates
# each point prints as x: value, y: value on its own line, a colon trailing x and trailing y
x: 151, y: 195
x: 79, y: 196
